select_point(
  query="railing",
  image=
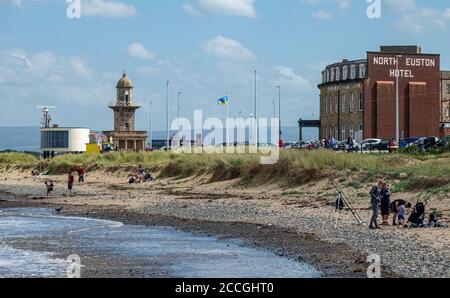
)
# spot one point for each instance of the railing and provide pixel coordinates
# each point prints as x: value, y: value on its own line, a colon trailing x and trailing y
x: 123, y: 104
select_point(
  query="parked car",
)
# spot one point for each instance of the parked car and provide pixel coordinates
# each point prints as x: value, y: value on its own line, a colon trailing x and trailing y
x: 405, y: 142
x: 371, y: 144
x: 303, y: 145
x: 424, y: 144
x: 342, y: 146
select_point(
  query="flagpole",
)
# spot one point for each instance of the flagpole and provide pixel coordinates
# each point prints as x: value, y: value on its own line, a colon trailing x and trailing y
x: 226, y: 126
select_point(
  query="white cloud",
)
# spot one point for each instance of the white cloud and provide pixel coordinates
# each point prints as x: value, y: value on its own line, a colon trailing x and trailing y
x: 446, y: 14
x: 242, y: 8
x: 289, y: 77
x: 107, y: 8
x: 190, y: 10
x: 227, y: 48
x: 322, y: 14
x: 17, y: 3
x: 402, y: 5
x: 342, y: 5
x: 138, y: 51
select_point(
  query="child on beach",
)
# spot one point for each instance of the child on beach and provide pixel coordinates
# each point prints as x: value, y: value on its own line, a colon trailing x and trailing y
x: 49, y: 186
x: 70, y: 181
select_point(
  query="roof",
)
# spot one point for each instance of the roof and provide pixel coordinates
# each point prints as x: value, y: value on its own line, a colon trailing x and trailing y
x: 124, y: 82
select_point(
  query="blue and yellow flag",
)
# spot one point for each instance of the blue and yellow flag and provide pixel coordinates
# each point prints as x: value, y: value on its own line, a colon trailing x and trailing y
x: 223, y: 101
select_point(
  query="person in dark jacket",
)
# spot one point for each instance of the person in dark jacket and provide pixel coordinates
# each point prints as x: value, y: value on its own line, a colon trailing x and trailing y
x: 375, y: 200
x: 385, y: 204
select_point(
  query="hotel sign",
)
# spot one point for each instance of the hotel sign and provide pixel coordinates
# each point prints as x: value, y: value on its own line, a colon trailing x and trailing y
x: 403, y: 66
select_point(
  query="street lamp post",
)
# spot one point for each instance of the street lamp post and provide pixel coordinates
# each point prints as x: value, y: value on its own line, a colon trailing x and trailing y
x: 279, y: 110
x: 150, y: 126
x: 167, y: 116
x: 256, y: 113
x: 179, y: 109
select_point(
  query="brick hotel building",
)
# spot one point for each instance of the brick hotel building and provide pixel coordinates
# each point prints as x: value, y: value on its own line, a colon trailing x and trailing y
x: 358, y: 98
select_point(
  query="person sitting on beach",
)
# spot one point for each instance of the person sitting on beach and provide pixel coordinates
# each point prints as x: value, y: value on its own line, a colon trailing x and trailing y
x: 141, y: 171
x: 70, y: 180
x: 375, y: 199
x: 49, y: 186
x: 148, y: 177
x: 80, y: 171
x: 385, y: 205
x: 132, y: 180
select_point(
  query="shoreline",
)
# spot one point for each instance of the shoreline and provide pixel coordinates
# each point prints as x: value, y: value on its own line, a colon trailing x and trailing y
x: 333, y: 260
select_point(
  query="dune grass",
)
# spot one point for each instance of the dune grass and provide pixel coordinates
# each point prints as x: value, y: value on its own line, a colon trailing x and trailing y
x: 13, y: 158
x: 292, y: 168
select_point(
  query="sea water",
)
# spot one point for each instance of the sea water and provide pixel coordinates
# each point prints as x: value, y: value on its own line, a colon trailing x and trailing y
x: 182, y: 254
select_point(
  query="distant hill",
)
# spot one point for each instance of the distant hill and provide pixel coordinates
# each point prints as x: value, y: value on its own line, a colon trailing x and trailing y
x: 20, y: 138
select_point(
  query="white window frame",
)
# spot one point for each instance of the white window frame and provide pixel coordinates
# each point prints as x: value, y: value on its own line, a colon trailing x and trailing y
x: 343, y: 103
x: 361, y: 102
x: 353, y: 72
x: 345, y: 72
x: 362, y: 71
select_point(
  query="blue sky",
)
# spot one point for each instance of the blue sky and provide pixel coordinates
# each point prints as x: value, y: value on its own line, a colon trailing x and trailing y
x: 206, y: 48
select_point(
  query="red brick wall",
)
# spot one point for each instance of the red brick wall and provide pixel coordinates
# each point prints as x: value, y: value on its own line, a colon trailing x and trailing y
x: 385, y: 109
x: 419, y: 97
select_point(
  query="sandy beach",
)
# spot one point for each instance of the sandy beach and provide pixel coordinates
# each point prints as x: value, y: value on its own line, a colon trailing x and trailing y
x: 298, y: 223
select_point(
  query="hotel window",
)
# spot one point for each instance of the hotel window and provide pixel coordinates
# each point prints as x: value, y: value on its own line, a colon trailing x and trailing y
x: 328, y: 75
x: 325, y: 103
x: 343, y: 132
x: 330, y: 133
x: 353, y: 72
x: 344, y: 72
x: 361, y: 102
x: 448, y: 88
x: 350, y: 129
x: 352, y: 101
x: 338, y: 74
x: 343, y: 104
x: 361, y: 127
x: 332, y: 74
x: 362, y: 71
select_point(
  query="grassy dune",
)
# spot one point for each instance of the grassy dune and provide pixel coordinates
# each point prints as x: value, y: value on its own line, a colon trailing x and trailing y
x: 293, y: 167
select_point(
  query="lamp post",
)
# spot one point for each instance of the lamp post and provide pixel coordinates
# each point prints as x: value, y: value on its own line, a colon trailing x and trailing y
x: 179, y: 109
x: 150, y: 125
x: 256, y: 113
x: 279, y: 110
x: 167, y: 116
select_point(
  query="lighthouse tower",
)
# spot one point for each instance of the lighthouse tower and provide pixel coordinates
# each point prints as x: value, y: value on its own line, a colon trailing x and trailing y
x: 125, y: 137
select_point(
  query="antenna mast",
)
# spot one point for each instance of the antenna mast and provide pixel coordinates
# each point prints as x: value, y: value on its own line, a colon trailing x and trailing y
x: 46, y: 117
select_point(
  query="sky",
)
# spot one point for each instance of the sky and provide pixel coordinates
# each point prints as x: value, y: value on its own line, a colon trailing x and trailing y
x: 206, y: 48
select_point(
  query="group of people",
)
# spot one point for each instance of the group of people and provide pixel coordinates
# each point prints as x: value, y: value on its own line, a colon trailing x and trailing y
x: 143, y: 176
x: 380, y: 199
x: 70, y: 181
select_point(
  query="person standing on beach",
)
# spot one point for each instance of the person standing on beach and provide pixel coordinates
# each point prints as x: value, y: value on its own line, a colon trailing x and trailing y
x: 49, y: 186
x: 385, y: 205
x: 70, y: 180
x: 80, y: 171
x: 375, y: 200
